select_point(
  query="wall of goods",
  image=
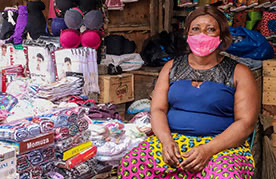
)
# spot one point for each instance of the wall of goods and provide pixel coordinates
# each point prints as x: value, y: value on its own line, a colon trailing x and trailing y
x: 77, y: 76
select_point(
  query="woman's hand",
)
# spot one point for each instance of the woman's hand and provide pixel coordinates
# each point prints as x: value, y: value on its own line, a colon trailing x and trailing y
x: 170, y: 153
x: 196, y: 159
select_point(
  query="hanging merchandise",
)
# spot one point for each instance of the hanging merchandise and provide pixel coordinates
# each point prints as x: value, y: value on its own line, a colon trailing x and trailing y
x: 1, y: 22
x: 57, y: 25
x: 239, y: 19
x: 239, y: 5
x: 75, y: 18
x: 91, y: 39
x: 87, y: 5
x: 36, y: 21
x: 51, y: 13
x: 251, y: 3
x: 69, y: 38
x: 249, y: 44
x: 262, y: 3
x: 266, y: 26
x: 187, y: 3
x: 21, y: 23
x: 61, y: 6
x: 9, y: 15
x: 114, y: 4
x: 252, y: 18
x: 93, y: 20
x: 230, y: 17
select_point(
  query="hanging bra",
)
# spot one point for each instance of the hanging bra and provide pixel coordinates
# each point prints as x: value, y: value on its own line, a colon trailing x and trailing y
x: 71, y: 38
x: 74, y: 18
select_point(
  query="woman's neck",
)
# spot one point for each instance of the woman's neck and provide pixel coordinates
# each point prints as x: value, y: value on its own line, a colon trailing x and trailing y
x: 205, y: 62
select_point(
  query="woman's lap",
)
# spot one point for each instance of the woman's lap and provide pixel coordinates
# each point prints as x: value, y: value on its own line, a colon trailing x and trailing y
x: 145, y: 161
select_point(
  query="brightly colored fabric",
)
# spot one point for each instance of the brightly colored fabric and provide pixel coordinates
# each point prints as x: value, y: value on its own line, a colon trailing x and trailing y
x: 146, y: 161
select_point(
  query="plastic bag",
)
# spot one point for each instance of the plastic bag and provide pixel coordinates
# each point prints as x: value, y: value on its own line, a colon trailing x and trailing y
x: 249, y: 44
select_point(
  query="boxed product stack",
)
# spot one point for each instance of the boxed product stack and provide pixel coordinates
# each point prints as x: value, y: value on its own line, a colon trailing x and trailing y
x: 8, y: 163
x: 35, y: 153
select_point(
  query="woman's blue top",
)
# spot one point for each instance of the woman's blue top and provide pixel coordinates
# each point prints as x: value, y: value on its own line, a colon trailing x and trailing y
x: 204, y: 111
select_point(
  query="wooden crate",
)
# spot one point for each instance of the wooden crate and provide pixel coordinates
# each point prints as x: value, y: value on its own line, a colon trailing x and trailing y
x: 144, y: 82
x: 116, y: 89
x: 269, y: 82
x: 121, y: 108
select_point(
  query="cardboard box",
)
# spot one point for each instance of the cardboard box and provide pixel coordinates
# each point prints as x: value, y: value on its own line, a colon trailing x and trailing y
x: 7, y: 161
x: 116, y: 89
x: 31, y: 144
x: 144, y: 82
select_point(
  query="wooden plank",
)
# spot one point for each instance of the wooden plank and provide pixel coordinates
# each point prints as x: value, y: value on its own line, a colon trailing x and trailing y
x: 269, y: 84
x: 269, y: 98
x: 143, y: 86
x: 269, y: 71
x: 180, y: 13
x: 126, y: 28
x: 144, y: 73
x: 269, y: 63
x: 168, y: 14
x: 153, y: 17
x: 133, y: 13
x: 160, y: 24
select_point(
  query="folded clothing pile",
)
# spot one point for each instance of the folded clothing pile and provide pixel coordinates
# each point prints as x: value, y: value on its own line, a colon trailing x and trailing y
x: 67, y: 86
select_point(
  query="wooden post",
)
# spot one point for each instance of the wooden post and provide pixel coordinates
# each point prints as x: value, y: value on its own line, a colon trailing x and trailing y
x: 153, y: 16
x: 168, y: 14
x: 160, y: 16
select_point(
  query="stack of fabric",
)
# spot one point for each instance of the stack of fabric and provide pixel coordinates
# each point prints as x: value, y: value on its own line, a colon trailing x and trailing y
x: 34, y: 146
x: 67, y: 86
x: 8, y: 162
x: 9, y: 73
x: 114, y: 139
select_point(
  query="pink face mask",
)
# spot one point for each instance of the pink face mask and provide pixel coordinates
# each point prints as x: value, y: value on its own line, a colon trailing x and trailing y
x: 203, y: 45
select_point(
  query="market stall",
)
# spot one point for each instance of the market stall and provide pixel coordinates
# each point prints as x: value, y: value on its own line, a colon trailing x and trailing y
x: 77, y: 77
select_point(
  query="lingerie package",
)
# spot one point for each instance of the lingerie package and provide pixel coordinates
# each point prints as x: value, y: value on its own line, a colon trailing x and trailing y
x: 40, y: 65
x: 78, y: 60
x: 4, y: 55
x: 17, y: 56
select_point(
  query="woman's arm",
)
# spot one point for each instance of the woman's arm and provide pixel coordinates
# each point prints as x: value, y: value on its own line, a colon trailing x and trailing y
x: 246, y: 110
x: 159, y: 121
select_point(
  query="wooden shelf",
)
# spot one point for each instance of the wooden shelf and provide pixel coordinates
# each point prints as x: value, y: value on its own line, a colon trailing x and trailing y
x: 125, y: 28
x: 180, y: 13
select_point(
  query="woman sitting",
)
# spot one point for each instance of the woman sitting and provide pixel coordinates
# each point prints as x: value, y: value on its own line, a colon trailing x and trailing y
x: 204, y: 107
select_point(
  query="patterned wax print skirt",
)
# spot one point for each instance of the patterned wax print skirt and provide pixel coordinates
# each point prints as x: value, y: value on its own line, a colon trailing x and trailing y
x: 145, y: 161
